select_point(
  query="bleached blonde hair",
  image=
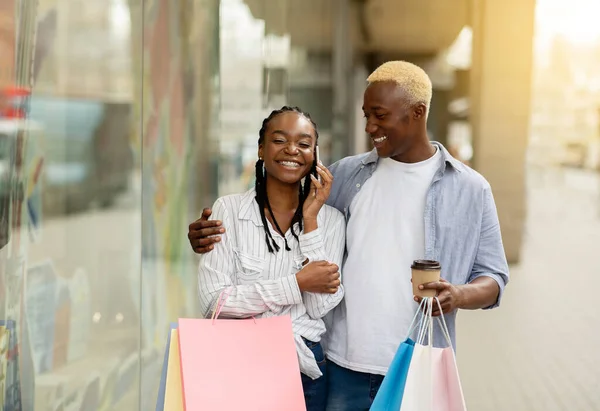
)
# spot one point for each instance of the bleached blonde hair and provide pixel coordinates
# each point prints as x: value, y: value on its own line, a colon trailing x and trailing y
x: 411, y: 78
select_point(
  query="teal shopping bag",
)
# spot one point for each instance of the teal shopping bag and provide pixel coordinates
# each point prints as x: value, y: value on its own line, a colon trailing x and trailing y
x: 389, y: 396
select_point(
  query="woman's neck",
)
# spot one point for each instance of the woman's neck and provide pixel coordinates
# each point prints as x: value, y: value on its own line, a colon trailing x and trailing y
x: 282, y: 197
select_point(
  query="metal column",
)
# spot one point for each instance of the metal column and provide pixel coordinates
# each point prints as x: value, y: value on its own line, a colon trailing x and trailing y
x: 342, y: 69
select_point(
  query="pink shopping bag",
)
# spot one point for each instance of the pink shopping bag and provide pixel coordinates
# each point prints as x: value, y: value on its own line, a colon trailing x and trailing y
x: 232, y: 365
x: 447, y: 390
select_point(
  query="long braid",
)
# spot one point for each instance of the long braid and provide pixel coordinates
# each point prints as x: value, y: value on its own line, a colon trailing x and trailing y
x: 287, y: 247
x: 260, y: 188
x: 261, y: 185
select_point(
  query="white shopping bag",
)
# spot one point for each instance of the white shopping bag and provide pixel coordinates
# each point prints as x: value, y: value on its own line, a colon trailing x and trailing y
x: 432, y: 383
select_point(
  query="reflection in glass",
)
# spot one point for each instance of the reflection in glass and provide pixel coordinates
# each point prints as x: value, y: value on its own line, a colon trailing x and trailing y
x: 70, y: 212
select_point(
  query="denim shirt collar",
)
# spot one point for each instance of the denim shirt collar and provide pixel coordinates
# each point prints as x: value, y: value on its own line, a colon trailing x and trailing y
x: 448, y: 159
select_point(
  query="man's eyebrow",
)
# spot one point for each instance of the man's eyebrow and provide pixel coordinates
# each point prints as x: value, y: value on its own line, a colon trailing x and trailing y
x: 374, y: 108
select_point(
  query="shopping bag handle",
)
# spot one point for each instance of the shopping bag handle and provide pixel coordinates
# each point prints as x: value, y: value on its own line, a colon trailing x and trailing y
x: 420, y: 315
x: 442, y: 323
x: 426, y: 323
x: 220, y: 303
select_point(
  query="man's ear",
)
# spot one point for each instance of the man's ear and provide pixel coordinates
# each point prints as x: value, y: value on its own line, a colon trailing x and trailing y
x: 420, y: 112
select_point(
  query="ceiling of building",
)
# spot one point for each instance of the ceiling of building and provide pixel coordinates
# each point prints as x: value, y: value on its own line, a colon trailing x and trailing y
x: 381, y: 26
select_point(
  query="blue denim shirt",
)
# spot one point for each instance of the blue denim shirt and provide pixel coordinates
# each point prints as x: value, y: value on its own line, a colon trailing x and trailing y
x: 462, y: 230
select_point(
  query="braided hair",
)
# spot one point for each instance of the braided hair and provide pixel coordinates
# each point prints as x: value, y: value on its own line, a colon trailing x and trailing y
x: 261, y: 184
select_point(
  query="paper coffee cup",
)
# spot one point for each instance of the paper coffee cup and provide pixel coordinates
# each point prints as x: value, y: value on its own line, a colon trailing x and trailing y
x: 423, y: 272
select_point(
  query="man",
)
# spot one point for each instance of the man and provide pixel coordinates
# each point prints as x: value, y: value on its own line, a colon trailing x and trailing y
x: 408, y: 199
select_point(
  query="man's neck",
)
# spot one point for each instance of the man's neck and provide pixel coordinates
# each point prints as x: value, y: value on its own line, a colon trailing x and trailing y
x: 421, y: 150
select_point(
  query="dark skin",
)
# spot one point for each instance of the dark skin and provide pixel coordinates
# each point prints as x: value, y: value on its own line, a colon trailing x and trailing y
x: 288, y: 153
x: 290, y: 137
x: 389, y: 114
x: 479, y: 293
x: 204, y: 233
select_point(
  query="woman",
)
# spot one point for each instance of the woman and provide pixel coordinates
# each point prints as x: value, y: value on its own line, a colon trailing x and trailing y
x: 282, y: 247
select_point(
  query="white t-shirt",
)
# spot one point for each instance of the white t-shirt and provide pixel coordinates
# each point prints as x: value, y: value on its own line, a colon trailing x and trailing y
x: 385, y: 233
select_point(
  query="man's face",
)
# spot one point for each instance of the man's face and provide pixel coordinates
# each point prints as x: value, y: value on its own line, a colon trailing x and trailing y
x: 391, y: 122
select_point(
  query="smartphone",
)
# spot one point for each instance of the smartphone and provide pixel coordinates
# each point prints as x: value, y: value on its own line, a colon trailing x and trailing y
x: 318, y: 162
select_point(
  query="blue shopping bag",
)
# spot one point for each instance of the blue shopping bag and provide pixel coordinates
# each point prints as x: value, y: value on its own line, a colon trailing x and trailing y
x: 389, y: 396
x: 160, y: 401
x: 391, y: 391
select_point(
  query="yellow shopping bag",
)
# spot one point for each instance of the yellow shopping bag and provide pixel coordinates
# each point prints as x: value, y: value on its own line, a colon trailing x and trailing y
x: 173, y: 388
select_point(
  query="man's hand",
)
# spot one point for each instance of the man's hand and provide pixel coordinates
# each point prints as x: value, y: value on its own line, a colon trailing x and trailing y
x: 449, y: 295
x: 319, y: 277
x: 203, y: 233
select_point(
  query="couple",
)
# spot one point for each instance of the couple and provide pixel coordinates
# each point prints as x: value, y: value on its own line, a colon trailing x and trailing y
x: 278, y: 248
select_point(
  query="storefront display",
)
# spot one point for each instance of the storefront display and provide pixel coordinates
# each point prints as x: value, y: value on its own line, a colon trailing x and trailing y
x: 100, y: 150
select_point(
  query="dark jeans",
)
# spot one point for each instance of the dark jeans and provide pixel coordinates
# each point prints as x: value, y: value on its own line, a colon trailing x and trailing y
x: 350, y: 390
x: 315, y: 391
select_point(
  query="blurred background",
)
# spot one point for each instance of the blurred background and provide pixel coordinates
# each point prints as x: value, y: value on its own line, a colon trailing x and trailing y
x: 121, y: 119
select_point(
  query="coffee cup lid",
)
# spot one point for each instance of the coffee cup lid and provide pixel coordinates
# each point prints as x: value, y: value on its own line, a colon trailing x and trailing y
x: 426, y: 265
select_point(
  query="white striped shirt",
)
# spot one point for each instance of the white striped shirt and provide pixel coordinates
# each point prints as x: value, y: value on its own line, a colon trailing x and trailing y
x: 263, y: 284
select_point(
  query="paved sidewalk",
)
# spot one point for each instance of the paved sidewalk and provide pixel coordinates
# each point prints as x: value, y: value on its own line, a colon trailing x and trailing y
x: 541, y: 349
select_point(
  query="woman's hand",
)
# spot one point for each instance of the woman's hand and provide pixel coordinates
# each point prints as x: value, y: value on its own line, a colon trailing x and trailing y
x: 319, y: 193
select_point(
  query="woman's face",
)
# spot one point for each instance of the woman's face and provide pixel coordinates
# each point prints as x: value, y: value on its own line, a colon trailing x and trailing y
x: 288, y: 149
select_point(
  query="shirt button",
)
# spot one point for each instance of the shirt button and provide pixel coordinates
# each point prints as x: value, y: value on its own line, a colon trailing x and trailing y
x: 358, y: 185
x: 362, y: 166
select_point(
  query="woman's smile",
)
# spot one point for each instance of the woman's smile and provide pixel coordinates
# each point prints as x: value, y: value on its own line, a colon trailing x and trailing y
x: 290, y: 164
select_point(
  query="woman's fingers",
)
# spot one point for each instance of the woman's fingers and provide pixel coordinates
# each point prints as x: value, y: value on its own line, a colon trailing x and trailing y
x: 316, y: 185
x: 325, y: 174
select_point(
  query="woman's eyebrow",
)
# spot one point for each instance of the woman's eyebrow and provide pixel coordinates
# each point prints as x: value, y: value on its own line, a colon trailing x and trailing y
x: 284, y: 133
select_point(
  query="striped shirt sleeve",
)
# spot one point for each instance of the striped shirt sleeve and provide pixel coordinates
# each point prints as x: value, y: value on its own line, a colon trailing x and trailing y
x: 217, y: 273
x: 326, y: 243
